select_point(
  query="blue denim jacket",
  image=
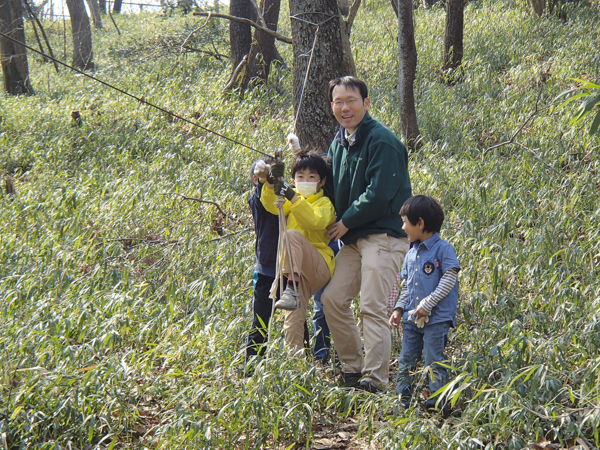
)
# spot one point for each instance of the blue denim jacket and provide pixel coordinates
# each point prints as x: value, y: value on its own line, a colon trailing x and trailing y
x: 424, y: 265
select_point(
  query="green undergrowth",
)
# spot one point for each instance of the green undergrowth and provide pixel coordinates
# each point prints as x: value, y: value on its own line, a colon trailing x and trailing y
x: 125, y: 306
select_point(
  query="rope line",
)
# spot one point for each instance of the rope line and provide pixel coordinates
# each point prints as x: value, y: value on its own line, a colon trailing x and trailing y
x: 312, y: 52
x: 139, y: 99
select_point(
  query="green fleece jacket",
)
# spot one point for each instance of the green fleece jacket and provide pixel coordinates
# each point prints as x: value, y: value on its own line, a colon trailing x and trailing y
x: 369, y: 180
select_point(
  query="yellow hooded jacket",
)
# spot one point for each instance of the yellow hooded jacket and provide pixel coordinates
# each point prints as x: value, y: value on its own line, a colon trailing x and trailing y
x: 310, y: 216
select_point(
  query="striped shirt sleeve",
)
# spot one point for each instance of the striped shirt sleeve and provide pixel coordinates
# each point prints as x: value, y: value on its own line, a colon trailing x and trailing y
x: 401, y: 303
x: 444, y: 287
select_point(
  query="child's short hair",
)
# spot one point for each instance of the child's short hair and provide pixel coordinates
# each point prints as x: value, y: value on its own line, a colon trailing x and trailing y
x: 311, y: 160
x: 426, y: 208
x: 268, y: 159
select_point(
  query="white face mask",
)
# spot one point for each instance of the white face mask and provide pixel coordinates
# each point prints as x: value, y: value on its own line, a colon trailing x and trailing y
x: 307, y: 188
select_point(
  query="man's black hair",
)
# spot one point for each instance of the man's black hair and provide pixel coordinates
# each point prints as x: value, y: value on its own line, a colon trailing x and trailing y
x: 349, y: 82
x: 426, y: 208
x: 268, y: 159
x: 311, y: 160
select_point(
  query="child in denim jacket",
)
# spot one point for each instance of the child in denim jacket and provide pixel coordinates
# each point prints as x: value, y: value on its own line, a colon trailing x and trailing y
x: 428, y: 299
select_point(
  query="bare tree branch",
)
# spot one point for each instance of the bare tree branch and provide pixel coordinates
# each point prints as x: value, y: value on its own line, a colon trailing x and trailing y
x: 277, y: 36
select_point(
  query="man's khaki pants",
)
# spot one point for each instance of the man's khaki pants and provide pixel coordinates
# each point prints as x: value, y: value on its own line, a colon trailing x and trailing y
x: 370, y: 266
x: 314, y: 274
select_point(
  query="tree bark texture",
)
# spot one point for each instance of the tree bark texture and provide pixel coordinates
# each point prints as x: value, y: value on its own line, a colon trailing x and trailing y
x: 240, y: 35
x: 538, y: 6
x: 82, y: 35
x: 95, y: 10
x: 344, y: 6
x: 453, y: 36
x: 348, y: 66
x: 316, y: 125
x: 117, y: 6
x: 262, y: 51
x: 407, y: 50
x: 102, y: 6
x: 15, y: 69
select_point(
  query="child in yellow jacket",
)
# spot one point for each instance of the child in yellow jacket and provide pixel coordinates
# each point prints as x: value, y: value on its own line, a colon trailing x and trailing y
x: 308, y: 214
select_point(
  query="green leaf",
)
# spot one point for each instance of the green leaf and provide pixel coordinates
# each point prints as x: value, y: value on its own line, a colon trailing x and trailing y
x: 595, y: 123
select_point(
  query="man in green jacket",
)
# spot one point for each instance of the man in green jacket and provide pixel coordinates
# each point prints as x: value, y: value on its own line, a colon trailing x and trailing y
x: 370, y: 183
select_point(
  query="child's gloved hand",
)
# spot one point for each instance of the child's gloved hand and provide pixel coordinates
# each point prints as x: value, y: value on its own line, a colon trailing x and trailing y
x: 419, y: 316
x: 261, y: 170
x: 282, y: 188
x: 277, y: 171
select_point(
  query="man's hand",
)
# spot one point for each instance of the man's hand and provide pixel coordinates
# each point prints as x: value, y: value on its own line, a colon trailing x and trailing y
x: 282, y: 188
x: 396, y: 317
x: 277, y: 171
x: 337, y: 230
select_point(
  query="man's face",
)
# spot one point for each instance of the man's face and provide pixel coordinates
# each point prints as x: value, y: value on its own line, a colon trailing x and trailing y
x: 348, y: 106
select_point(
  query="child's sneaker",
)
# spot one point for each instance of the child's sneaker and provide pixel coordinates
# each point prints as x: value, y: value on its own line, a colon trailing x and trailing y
x: 289, y: 300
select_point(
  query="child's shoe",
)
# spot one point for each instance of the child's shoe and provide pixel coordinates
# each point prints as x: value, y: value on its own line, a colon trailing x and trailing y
x: 289, y: 300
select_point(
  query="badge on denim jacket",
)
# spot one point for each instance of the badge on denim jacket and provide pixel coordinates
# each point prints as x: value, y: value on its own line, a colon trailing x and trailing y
x: 428, y: 267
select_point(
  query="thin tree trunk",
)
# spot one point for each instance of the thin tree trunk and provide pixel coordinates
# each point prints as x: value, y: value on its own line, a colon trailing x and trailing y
x: 240, y: 35
x: 395, y: 6
x: 539, y: 6
x: 82, y: 35
x: 37, y: 20
x: 316, y: 125
x: 14, y: 56
x: 95, y: 10
x: 262, y: 51
x: 453, y: 37
x: 117, y: 6
x: 348, y: 66
x: 37, y: 38
x: 344, y: 6
x: 407, y: 50
x: 102, y: 6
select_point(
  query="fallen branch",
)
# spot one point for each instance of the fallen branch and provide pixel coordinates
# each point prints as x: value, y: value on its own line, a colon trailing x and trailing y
x: 275, y: 34
x: 510, y: 141
x: 209, y: 202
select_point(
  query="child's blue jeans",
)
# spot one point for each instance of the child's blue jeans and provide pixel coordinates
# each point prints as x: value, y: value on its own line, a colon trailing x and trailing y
x: 428, y: 342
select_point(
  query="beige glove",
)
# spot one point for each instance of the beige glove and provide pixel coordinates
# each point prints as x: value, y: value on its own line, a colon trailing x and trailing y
x: 261, y: 170
x: 419, y: 321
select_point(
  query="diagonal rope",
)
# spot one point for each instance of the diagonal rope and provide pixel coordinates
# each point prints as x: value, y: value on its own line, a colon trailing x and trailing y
x: 139, y: 99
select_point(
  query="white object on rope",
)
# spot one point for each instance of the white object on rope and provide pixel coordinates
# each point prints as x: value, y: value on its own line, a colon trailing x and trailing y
x: 293, y: 142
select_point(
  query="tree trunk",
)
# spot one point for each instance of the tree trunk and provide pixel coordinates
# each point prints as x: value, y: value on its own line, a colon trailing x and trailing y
x: 538, y: 6
x: 316, y: 125
x: 82, y: 35
x: 262, y: 51
x: 102, y: 6
x: 117, y: 6
x: 344, y: 6
x: 395, y: 6
x: 407, y: 50
x: 453, y: 37
x: 14, y: 56
x: 95, y: 10
x: 240, y: 35
x: 348, y: 66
